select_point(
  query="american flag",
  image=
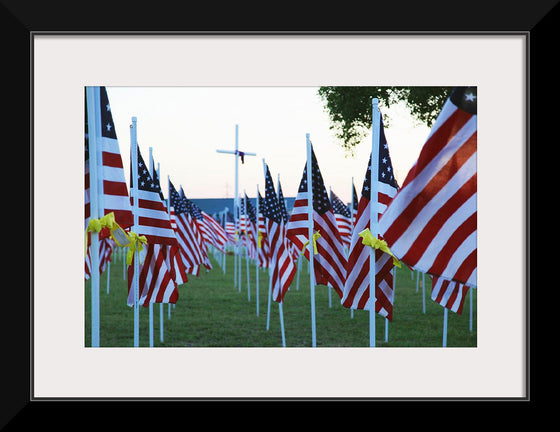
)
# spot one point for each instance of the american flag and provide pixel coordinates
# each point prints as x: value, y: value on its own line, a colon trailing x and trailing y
x: 197, y: 226
x: 330, y: 260
x: 229, y: 226
x: 354, y: 205
x: 217, y: 232
x: 161, y: 269
x: 173, y: 255
x: 431, y: 223
x: 106, y: 246
x: 153, y: 218
x: 294, y: 252
x: 187, y: 233
x: 155, y: 282
x: 343, y: 219
x: 449, y: 294
x: 356, y: 288
x: 112, y: 190
x: 264, y: 249
x: 281, y: 262
x: 251, y: 235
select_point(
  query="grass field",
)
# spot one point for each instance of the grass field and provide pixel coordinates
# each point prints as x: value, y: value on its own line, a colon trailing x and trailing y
x: 212, y: 312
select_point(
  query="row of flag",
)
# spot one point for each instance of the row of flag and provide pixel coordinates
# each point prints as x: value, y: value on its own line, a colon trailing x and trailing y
x: 428, y: 223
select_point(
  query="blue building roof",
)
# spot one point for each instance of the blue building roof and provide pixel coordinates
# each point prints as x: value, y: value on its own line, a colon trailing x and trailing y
x: 217, y: 205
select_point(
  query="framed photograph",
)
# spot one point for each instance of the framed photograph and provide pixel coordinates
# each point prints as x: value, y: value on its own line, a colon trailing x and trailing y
x: 502, y: 60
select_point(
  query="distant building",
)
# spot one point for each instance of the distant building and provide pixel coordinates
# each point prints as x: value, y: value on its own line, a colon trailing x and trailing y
x: 217, y: 205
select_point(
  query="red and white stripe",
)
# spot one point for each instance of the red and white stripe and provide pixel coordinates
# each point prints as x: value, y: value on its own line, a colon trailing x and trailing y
x: 330, y: 261
x: 112, y: 188
x: 344, y: 229
x: 281, y: 261
x: 264, y: 248
x: 431, y: 224
x: 216, y: 233
x: 356, y: 289
x: 449, y: 294
x: 190, y: 242
x: 156, y: 284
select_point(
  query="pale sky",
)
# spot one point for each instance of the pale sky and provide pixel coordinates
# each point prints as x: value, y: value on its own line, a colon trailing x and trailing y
x: 186, y: 125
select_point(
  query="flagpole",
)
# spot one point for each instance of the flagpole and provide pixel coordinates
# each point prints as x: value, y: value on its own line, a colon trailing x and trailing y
x: 258, y: 254
x: 134, y: 192
x: 423, y: 293
x: 92, y: 97
x: 444, y: 327
x: 374, y: 177
x: 269, y: 275
x: 246, y: 248
x: 310, y: 235
x: 351, y: 228
x: 151, y: 305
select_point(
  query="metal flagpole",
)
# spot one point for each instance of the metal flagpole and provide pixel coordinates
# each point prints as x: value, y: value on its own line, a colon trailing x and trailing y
x: 151, y: 305
x: 92, y: 97
x: 310, y: 235
x: 444, y: 327
x: 258, y: 254
x: 423, y: 293
x: 246, y: 248
x: 374, y: 178
x: 134, y: 193
x: 269, y: 275
x: 351, y: 229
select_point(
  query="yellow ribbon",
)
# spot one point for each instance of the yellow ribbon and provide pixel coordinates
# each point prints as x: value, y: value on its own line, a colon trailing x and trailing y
x: 315, y: 237
x: 369, y: 240
x: 107, y: 221
x: 260, y: 239
x: 136, y: 242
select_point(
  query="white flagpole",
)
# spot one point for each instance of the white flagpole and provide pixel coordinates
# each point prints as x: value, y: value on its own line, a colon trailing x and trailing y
x: 470, y: 308
x: 374, y: 176
x: 108, y: 274
x: 423, y: 293
x: 444, y: 327
x: 351, y: 228
x: 151, y: 305
x: 258, y: 253
x: 269, y: 276
x: 135, y: 281
x: 92, y: 95
x: 310, y: 235
x: 246, y: 248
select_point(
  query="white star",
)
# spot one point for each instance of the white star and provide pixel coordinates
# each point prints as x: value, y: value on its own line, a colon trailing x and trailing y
x: 108, y: 126
x: 108, y: 107
x: 470, y: 97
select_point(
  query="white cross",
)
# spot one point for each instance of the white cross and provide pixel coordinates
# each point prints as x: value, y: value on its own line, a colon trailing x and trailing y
x: 237, y: 154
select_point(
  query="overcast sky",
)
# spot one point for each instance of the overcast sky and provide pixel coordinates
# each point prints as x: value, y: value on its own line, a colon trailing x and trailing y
x: 186, y: 125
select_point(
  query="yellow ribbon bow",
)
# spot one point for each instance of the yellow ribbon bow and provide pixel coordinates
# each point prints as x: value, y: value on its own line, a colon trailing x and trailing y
x: 260, y: 239
x: 136, y: 242
x: 107, y: 221
x: 369, y: 240
x: 315, y: 237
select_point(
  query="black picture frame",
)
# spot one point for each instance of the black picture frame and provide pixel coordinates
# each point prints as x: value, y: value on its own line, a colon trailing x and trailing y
x: 21, y: 20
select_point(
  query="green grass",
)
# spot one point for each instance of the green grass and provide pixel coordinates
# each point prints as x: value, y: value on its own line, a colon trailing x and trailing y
x: 212, y: 312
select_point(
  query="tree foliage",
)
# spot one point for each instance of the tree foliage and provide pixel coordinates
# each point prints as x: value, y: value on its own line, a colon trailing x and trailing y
x: 349, y: 108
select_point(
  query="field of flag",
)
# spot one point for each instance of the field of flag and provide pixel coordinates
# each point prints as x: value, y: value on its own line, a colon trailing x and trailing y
x: 373, y: 272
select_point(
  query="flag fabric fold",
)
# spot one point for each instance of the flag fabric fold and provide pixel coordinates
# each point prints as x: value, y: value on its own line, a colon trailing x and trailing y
x: 281, y: 263
x: 431, y: 224
x: 356, y: 289
x: 330, y: 260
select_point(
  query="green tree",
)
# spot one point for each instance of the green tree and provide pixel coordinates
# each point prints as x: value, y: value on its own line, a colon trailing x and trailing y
x: 349, y: 108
